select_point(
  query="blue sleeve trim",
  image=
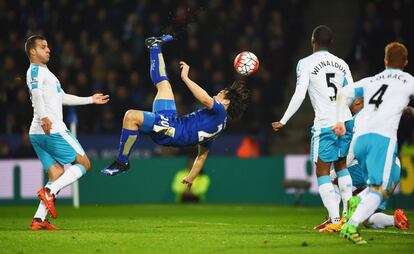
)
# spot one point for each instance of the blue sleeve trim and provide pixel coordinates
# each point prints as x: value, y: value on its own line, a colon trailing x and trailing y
x: 343, y: 172
x: 34, y: 76
x: 323, y: 179
x: 379, y: 194
x: 345, y: 82
x: 359, y: 92
x: 82, y: 168
x: 298, y: 66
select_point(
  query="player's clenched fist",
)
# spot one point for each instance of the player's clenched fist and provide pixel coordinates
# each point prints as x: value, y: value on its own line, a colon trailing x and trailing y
x: 277, y: 126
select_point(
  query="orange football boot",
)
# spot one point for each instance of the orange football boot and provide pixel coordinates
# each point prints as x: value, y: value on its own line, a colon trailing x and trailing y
x: 323, y: 224
x: 48, y: 199
x: 400, y: 220
x: 42, y: 225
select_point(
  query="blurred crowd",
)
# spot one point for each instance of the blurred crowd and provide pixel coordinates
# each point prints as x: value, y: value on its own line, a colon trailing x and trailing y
x: 98, y: 46
x: 380, y: 23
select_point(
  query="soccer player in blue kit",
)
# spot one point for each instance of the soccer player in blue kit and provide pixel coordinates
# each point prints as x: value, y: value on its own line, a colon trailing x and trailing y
x: 163, y: 124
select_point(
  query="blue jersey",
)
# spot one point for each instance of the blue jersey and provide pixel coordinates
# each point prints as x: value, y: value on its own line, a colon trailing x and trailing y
x: 199, y: 127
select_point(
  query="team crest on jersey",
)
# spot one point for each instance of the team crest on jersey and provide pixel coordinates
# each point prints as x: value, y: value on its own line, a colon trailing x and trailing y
x: 58, y: 88
x: 34, y: 80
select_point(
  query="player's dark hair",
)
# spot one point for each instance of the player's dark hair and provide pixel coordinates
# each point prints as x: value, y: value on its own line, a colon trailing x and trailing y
x: 31, y: 43
x: 238, y: 95
x: 323, y: 35
x: 396, y: 55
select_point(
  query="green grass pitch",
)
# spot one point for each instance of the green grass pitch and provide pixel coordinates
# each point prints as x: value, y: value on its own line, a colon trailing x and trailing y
x: 188, y: 229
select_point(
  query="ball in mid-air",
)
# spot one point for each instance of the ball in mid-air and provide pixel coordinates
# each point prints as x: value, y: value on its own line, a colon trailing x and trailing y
x: 246, y: 63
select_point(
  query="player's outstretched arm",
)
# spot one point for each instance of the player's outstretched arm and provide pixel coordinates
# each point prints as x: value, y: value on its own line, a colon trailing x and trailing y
x: 294, y: 104
x: 199, y: 93
x: 73, y: 100
x: 302, y: 84
x: 197, y: 166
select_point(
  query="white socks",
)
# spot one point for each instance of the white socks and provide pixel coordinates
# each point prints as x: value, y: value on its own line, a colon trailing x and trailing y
x: 363, y: 193
x: 71, y: 175
x: 366, y: 208
x: 327, y: 192
x: 337, y: 194
x: 345, y: 187
x: 380, y: 220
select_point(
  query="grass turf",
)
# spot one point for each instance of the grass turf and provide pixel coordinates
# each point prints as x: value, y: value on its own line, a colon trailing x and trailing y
x: 189, y: 229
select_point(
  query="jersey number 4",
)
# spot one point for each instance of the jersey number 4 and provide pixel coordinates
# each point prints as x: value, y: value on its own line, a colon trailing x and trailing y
x: 332, y: 85
x: 376, y: 99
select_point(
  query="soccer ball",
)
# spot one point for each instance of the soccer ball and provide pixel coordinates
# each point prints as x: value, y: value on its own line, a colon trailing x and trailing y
x: 246, y: 63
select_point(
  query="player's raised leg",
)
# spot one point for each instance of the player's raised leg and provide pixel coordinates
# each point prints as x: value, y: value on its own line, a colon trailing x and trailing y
x: 135, y: 120
x: 164, y: 99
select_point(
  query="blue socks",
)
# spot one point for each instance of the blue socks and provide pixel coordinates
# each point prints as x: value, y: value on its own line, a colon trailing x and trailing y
x: 128, y: 140
x: 158, y: 71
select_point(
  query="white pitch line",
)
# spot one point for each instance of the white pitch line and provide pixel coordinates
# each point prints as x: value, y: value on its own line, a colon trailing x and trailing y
x: 389, y: 232
x: 205, y: 223
x: 228, y: 224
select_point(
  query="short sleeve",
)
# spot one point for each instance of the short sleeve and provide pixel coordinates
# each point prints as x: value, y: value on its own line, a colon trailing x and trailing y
x: 359, y: 89
x: 217, y: 107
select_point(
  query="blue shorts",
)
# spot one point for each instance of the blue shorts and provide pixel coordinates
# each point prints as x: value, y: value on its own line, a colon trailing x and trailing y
x: 59, y: 147
x: 359, y: 177
x: 377, y: 156
x: 327, y: 146
x: 157, y: 124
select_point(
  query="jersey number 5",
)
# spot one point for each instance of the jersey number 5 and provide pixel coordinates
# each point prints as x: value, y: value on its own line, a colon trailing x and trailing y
x: 330, y: 84
x: 376, y: 99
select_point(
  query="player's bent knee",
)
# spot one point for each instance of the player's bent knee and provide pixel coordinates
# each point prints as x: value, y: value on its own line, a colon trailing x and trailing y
x: 55, y: 171
x: 84, y: 161
x: 131, y: 115
x: 380, y: 190
x: 133, y: 118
